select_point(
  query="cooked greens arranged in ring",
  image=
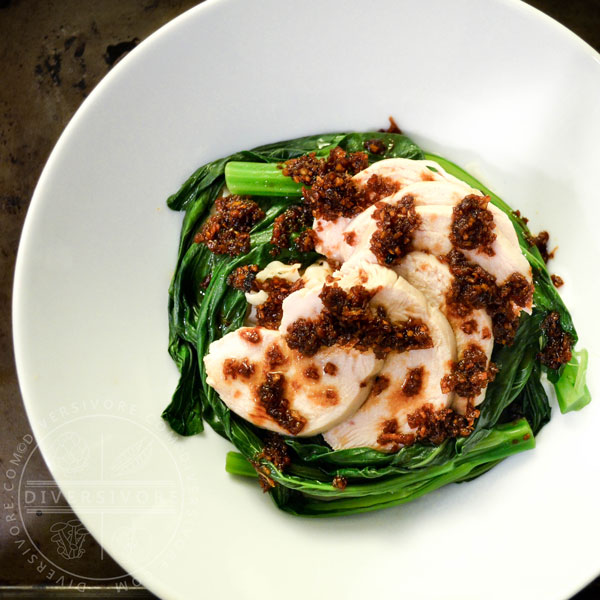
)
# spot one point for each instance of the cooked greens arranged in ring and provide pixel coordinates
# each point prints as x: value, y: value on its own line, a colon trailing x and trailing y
x: 363, y: 320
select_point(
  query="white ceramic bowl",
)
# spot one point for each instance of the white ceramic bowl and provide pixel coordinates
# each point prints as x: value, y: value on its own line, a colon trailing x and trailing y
x: 495, y: 86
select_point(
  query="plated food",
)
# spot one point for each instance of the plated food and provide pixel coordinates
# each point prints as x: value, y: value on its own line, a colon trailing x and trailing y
x: 364, y: 321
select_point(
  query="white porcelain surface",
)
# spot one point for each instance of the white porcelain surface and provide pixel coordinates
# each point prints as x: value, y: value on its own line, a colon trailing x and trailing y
x: 495, y: 86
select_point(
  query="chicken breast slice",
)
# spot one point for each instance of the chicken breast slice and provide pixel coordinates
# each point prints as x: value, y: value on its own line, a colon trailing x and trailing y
x: 329, y: 237
x: 401, y: 397
x: 432, y: 187
x: 417, y: 179
x: 404, y: 171
x: 317, y: 392
x: 433, y: 235
x: 397, y: 296
x: 306, y: 304
x: 433, y: 278
x: 407, y: 380
x: 451, y: 193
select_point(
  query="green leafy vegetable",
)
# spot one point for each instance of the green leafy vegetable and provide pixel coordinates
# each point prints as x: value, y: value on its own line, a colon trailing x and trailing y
x: 251, y: 178
x: 203, y: 308
x: 534, y: 401
x: 321, y: 499
x: 571, y: 390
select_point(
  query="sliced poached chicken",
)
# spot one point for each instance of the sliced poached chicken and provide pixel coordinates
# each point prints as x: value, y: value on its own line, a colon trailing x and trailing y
x: 318, y: 391
x: 431, y: 187
x: 402, y: 171
x: 397, y: 400
x: 434, y: 195
x: 433, y: 235
x: 449, y: 193
x: 433, y: 278
x: 352, y: 397
x: 407, y: 170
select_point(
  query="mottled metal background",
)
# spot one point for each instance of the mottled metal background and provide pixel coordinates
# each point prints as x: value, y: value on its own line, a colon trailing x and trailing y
x: 52, y: 54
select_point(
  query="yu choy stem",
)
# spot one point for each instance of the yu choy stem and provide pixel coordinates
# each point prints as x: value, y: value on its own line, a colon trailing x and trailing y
x: 259, y: 179
x: 571, y: 390
x: 324, y: 499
